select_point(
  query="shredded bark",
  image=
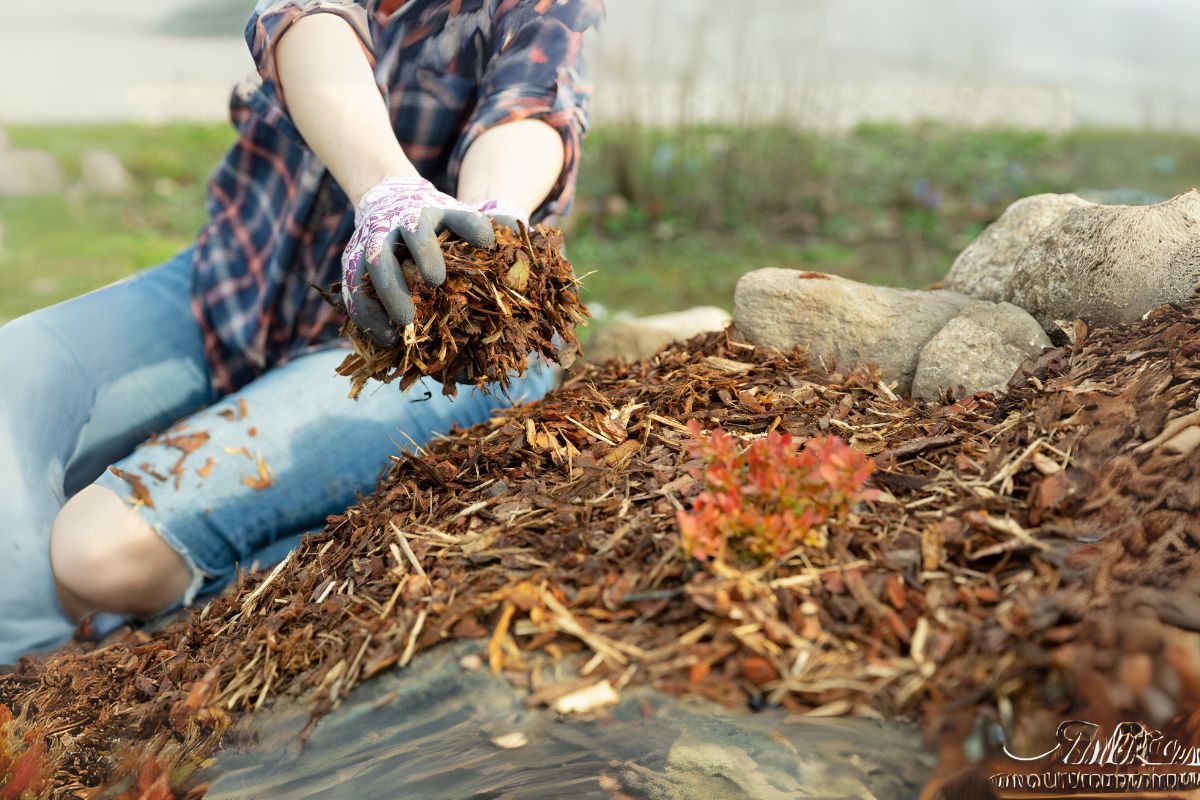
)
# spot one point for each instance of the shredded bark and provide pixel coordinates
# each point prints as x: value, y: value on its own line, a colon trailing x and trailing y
x: 1013, y: 540
x: 496, y: 308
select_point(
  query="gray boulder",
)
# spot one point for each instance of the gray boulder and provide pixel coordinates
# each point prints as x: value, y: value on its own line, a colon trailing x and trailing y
x: 640, y: 337
x: 1060, y: 257
x: 104, y: 174
x: 1108, y: 264
x: 985, y: 268
x: 29, y: 172
x: 978, y: 350
x: 853, y: 322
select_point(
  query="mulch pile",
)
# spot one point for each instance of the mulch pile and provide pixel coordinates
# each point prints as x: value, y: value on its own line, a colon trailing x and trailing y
x: 1012, y: 540
x: 1131, y: 409
x: 496, y: 307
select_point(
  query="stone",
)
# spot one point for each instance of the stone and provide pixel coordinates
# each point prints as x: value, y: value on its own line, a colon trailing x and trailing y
x: 43, y: 286
x: 438, y: 730
x: 1060, y: 257
x: 985, y: 268
x: 615, y: 206
x: 104, y: 174
x: 854, y: 323
x: 1108, y: 264
x: 640, y: 337
x: 29, y: 172
x: 977, y: 351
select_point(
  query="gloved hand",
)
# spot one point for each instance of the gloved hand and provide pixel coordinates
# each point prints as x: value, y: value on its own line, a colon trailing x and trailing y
x: 506, y: 213
x: 413, y: 211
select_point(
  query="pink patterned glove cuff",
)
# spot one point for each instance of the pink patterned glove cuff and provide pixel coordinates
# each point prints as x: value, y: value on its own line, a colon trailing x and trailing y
x: 502, y: 208
x: 401, y: 201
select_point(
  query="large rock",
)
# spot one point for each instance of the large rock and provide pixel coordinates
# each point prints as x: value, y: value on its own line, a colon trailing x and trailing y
x: 1061, y: 257
x: 985, y: 268
x: 104, y: 174
x: 1107, y: 264
x: 29, y: 172
x: 437, y: 730
x: 978, y: 350
x: 852, y: 322
x: 642, y: 336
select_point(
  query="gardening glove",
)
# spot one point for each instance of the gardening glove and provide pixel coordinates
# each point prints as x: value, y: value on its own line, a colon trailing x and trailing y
x: 506, y: 213
x: 409, y: 211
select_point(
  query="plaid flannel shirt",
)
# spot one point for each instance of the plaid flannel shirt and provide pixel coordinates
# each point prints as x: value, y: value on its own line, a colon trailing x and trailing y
x: 278, y: 222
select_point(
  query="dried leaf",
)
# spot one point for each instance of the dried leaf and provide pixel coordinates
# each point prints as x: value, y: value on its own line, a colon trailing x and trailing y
x: 263, y: 480
x: 140, y: 493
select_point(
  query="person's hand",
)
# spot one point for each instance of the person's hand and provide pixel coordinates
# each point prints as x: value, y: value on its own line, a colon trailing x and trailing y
x: 505, y: 212
x: 409, y: 211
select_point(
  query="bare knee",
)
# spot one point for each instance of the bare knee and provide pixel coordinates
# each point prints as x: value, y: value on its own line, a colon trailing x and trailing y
x: 106, y: 558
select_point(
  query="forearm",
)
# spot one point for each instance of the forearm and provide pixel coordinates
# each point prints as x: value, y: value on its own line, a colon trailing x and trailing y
x: 519, y: 161
x: 330, y: 92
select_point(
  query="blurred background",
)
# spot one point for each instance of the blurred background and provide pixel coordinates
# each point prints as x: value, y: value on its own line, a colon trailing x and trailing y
x: 870, y: 138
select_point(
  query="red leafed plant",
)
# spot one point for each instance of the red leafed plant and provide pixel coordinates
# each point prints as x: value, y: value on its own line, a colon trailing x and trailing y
x: 24, y: 768
x: 766, y: 499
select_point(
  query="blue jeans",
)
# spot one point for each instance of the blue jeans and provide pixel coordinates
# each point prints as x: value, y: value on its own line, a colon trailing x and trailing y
x: 85, y: 384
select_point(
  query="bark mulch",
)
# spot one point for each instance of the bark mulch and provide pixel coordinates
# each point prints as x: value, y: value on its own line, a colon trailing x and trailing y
x: 1012, y: 540
x: 495, y: 308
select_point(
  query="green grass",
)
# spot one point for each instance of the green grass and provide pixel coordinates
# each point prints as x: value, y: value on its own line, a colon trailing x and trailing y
x: 644, y: 274
x: 59, y: 245
x: 883, y: 204
x: 665, y: 218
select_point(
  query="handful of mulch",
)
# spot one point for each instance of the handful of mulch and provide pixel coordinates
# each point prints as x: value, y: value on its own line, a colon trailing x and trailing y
x: 496, y: 308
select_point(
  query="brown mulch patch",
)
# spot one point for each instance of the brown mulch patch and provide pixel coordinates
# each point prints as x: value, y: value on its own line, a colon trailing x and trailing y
x: 496, y: 307
x: 1014, y: 539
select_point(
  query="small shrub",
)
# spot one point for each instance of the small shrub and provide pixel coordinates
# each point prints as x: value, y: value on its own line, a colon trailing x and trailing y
x: 24, y: 767
x: 764, y: 500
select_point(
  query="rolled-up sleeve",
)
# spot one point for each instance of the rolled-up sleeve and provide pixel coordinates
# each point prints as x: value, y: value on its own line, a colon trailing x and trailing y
x: 268, y: 23
x: 533, y: 69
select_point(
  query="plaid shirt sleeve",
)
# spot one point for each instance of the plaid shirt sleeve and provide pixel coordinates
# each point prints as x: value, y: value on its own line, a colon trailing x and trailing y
x: 267, y: 25
x: 534, y: 70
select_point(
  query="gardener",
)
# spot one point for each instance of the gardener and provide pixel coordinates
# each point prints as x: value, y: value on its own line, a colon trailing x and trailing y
x: 376, y: 122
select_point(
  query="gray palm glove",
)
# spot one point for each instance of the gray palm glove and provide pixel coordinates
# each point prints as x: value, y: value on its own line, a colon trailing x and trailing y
x: 409, y: 211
